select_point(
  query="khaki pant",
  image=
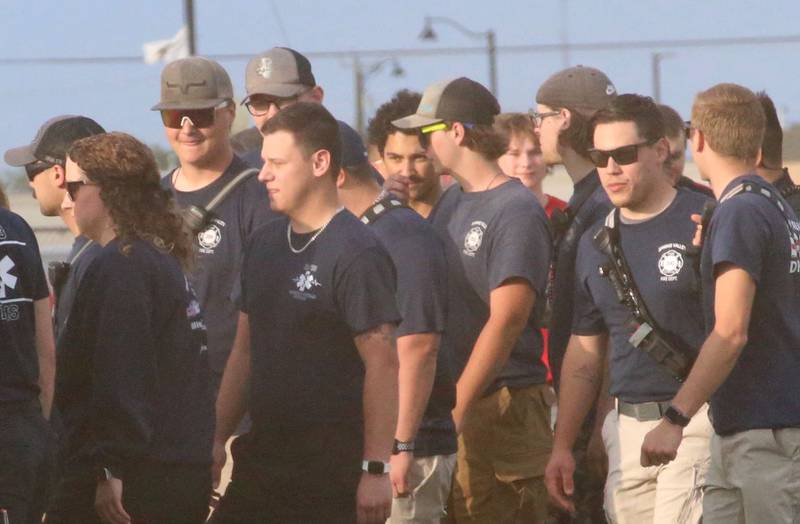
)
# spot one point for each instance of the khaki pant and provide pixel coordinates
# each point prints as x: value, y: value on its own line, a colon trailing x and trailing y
x: 667, y: 494
x: 754, y: 478
x: 502, y: 452
x: 427, y: 503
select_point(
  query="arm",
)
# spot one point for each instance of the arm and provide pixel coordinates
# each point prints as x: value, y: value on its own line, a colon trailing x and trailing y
x: 377, y: 350
x: 232, y: 398
x: 46, y: 353
x: 510, y: 306
x: 733, y: 304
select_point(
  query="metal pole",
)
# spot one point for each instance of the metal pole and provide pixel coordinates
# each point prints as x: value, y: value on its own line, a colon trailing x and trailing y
x: 359, y: 92
x: 188, y: 15
x: 655, y: 64
x: 491, y: 47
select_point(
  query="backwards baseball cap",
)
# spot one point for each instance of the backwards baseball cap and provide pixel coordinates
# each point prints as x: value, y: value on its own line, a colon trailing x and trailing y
x: 193, y: 83
x: 354, y: 153
x: 584, y: 89
x: 53, y: 140
x: 280, y: 72
x: 460, y: 100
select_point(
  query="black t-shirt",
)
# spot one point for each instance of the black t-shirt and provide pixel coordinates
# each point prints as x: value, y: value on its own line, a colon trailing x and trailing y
x: 304, y: 311
x: 588, y: 205
x: 22, y: 282
x: 490, y: 237
x: 219, y: 251
x: 418, y: 256
x: 656, y: 252
x: 132, y: 379
x: 789, y: 190
x: 748, y: 231
x: 80, y: 257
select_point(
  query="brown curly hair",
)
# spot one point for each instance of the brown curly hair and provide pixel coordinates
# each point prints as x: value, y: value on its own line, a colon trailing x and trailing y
x: 130, y: 187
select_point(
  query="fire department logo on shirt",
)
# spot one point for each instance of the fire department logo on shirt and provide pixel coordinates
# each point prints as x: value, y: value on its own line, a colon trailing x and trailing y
x: 305, y: 282
x: 671, y: 261
x: 209, y: 238
x: 474, y: 238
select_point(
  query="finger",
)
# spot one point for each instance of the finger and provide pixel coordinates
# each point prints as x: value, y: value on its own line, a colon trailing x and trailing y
x: 120, y: 515
x: 567, y: 483
x: 696, y: 218
x: 554, y: 488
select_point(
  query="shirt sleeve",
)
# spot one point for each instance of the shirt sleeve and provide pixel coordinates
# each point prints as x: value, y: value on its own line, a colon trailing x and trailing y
x: 741, y: 234
x: 587, y: 320
x: 365, y: 291
x: 39, y: 287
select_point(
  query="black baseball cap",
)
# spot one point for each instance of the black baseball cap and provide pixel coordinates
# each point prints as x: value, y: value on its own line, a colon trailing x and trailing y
x: 460, y: 100
x: 354, y: 153
x: 53, y: 140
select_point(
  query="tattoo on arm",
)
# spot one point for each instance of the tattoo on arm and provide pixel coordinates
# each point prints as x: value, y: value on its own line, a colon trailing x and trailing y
x: 587, y: 374
x: 383, y: 333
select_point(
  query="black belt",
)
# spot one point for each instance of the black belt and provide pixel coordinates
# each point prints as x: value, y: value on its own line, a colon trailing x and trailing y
x: 643, y: 411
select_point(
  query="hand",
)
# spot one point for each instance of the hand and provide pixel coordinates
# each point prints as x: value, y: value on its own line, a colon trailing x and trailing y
x: 219, y: 456
x: 698, y: 232
x: 373, y: 499
x: 558, y: 479
x: 660, y: 445
x: 398, y: 186
x: 401, y: 465
x: 596, y: 458
x: 458, y: 418
x: 108, y: 502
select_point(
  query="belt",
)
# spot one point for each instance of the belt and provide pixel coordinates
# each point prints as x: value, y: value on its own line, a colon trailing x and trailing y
x: 643, y: 411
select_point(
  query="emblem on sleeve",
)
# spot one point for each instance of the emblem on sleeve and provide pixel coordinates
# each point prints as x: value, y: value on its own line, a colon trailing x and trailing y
x: 474, y: 238
x: 671, y: 261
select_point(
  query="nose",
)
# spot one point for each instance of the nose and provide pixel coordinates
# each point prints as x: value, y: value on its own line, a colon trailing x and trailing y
x: 407, y: 168
x: 264, y: 175
x: 66, y: 202
x: 187, y: 126
x: 612, y: 167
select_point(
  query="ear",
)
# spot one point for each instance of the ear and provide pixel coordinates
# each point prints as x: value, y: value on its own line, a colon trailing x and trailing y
x: 566, y: 118
x: 759, y: 157
x: 341, y: 178
x: 698, y: 142
x: 458, y: 132
x: 662, y: 149
x: 317, y: 94
x: 321, y: 162
x: 60, y: 176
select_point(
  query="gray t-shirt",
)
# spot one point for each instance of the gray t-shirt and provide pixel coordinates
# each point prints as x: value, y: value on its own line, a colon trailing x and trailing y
x: 490, y: 237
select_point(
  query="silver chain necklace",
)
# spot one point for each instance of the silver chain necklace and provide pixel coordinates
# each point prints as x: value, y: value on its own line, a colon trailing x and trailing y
x: 312, y: 239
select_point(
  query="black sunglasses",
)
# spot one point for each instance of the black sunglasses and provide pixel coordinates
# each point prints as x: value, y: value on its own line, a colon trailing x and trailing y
x: 202, y: 118
x: 259, y: 105
x: 34, y: 168
x: 623, y: 156
x: 74, y: 186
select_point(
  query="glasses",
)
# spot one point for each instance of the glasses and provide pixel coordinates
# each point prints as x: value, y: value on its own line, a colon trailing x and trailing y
x: 34, y: 168
x: 441, y: 126
x: 623, y: 156
x: 74, y: 186
x: 201, y: 118
x: 687, y: 129
x: 260, y: 105
x: 538, y: 118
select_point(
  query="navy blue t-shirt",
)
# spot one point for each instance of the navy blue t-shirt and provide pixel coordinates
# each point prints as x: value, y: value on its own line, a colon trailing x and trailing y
x: 418, y: 256
x: 22, y: 282
x: 219, y: 251
x: 588, y: 205
x: 132, y: 375
x: 749, y: 232
x: 664, y: 274
x: 304, y: 311
x: 490, y: 237
x: 80, y: 257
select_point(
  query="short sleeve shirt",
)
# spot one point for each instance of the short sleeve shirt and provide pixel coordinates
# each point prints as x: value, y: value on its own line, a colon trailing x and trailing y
x: 748, y: 231
x: 663, y: 270
x: 22, y: 282
x: 490, y: 237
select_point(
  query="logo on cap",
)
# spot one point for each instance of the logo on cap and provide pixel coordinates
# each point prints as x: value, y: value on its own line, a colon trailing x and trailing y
x: 610, y: 89
x: 185, y: 87
x: 265, y: 68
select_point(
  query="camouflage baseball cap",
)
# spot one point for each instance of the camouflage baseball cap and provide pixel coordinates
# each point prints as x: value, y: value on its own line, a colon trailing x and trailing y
x: 280, y: 72
x: 193, y: 83
x: 460, y: 100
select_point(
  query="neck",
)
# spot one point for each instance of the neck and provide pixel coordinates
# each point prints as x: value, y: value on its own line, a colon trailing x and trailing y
x: 577, y: 167
x: 359, y: 196
x: 315, y: 211
x: 538, y: 192
x: 190, y: 177
x: 425, y: 205
x: 68, y: 217
x: 108, y: 234
x: 659, y: 198
x: 721, y: 171
x: 475, y: 173
x: 770, y: 175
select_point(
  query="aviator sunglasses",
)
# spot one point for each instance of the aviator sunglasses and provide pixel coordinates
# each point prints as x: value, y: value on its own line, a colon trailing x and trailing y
x: 623, y: 156
x: 201, y: 118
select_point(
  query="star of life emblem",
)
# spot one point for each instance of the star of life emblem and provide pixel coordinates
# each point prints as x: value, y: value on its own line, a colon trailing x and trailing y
x: 265, y: 68
x: 305, y: 282
x: 7, y: 280
x: 474, y: 238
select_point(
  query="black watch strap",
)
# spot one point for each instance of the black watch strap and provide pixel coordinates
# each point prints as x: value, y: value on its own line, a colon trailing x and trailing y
x: 374, y: 467
x: 676, y: 417
x: 400, y: 446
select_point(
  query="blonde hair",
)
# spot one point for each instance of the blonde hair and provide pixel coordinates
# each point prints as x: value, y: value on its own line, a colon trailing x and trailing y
x: 731, y: 119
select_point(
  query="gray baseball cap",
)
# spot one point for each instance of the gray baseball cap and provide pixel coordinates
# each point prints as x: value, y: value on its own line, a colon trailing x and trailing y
x: 193, y: 83
x: 584, y: 89
x: 280, y: 72
x: 53, y: 140
x: 460, y: 100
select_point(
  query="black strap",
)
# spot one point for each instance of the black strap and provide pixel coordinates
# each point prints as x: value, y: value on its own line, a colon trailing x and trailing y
x: 197, y: 217
x: 380, y: 208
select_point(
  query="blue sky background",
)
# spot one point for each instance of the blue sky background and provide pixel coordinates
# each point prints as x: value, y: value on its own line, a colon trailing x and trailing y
x: 119, y: 95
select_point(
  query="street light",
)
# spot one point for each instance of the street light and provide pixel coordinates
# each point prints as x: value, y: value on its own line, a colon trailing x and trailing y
x: 428, y: 33
x: 360, y: 77
x: 655, y: 65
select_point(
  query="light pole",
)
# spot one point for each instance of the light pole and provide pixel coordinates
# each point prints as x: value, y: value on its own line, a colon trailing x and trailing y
x: 655, y: 65
x: 188, y: 15
x: 428, y: 33
x: 360, y: 77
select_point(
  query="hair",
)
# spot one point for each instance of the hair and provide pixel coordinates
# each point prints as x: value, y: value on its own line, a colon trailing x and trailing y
x: 402, y: 104
x: 578, y: 136
x: 772, y: 145
x: 509, y: 125
x: 130, y: 188
x: 361, y: 172
x: 673, y: 123
x: 641, y: 110
x: 313, y: 129
x: 731, y: 120
x: 3, y: 197
x: 485, y: 141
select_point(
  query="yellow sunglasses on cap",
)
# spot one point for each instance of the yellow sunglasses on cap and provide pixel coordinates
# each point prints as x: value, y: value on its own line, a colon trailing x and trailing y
x: 441, y: 126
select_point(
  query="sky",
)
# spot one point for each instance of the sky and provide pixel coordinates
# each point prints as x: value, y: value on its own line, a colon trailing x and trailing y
x: 119, y: 95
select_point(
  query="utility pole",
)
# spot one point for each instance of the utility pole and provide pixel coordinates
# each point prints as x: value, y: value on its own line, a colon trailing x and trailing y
x: 358, y: 83
x: 655, y: 65
x: 188, y: 16
x: 492, y: 50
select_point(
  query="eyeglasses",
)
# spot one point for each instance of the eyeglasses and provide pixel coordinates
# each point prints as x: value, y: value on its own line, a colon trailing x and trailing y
x: 687, y: 129
x: 538, y: 118
x: 623, y: 156
x: 34, y: 168
x: 74, y: 186
x: 260, y: 105
x: 441, y: 126
x: 201, y: 118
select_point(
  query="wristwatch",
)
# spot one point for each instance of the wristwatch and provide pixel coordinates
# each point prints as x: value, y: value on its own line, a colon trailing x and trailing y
x: 673, y: 415
x: 402, y: 447
x: 374, y: 467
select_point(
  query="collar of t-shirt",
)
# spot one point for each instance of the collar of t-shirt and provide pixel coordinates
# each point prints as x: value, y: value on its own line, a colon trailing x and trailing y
x: 633, y: 221
x: 583, y: 190
x: 747, y: 177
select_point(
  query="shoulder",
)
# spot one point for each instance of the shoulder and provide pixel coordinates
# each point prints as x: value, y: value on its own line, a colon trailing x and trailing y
x: 18, y: 228
x: 692, y: 199
x: 266, y: 232
x: 403, y: 232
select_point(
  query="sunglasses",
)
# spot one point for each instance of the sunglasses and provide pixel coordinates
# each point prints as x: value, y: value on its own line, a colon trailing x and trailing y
x: 260, y: 105
x: 623, y: 156
x: 34, y: 168
x: 200, y: 118
x: 441, y: 126
x: 538, y: 118
x: 74, y: 186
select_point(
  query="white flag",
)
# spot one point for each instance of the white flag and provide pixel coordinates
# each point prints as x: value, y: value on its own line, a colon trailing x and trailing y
x: 167, y: 50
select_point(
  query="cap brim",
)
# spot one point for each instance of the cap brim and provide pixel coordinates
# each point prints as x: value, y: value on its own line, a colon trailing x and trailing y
x: 188, y: 104
x: 415, y: 121
x: 19, y: 156
x: 278, y: 90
